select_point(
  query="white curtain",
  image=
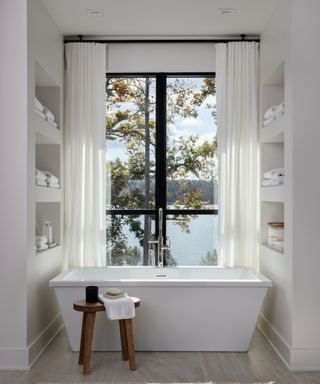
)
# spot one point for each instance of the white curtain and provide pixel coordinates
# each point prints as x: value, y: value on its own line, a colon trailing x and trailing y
x: 237, y: 116
x: 84, y: 154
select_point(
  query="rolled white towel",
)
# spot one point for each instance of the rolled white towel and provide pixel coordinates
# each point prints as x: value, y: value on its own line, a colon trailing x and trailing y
x: 51, y: 177
x: 38, y: 105
x: 117, y: 309
x: 269, y: 120
x: 41, y: 239
x: 49, y: 114
x: 273, y: 182
x: 41, y: 246
x: 41, y: 175
x: 279, y: 109
x: 41, y: 183
x: 274, y: 110
x: 273, y: 173
x: 270, y: 112
x: 39, y: 113
x: 53, y: 123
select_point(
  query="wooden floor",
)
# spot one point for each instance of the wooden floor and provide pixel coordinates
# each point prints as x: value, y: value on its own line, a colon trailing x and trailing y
x: 59, y: 365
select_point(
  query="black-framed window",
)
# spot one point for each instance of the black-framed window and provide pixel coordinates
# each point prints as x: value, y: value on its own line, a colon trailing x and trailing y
x: 161, y: 153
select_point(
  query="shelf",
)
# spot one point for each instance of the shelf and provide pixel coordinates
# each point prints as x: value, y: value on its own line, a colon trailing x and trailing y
x: 269, y: 249
x: 273, y: 194
x: 46, y: 194
x: 45, y: 132
x: 274, y: 132
x: 56, y: 247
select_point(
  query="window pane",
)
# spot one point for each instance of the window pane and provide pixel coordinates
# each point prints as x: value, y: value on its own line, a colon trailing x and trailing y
x: 193, y: 239
x: 130, y: 142
x: 191, y: 143
x: 127, y: 239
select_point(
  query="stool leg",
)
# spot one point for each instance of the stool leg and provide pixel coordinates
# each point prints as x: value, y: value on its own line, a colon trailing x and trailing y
x: 84, y: 320
x: 124, y: 342
x: 129, y: 334
x: 88, y: 336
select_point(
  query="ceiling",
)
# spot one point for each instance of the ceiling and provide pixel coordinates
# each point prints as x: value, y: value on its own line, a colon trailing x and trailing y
x: 160, y: 17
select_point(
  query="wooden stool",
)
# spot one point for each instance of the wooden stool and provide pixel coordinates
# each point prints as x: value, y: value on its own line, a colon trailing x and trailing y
x: 89, y: 314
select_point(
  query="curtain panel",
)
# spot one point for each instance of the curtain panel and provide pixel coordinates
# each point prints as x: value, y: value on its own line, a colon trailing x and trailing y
x: 84, y: 155
x: 237, y: 116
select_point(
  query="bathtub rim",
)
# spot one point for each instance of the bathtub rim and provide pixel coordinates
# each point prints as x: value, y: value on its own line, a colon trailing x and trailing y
x: 259, y: 281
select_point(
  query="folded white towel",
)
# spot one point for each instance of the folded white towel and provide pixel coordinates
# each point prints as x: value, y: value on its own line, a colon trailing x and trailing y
x: 39, y: 113
x: 38, y: 105
x: 41, y: 183
x: 273, y: 182
x: 41, y: 239
x: 49, y: 114
x: 117, y: 309
x: 41, y: 246
x: 273, y: 173
x: 41, y: 175
x: 53, y: 123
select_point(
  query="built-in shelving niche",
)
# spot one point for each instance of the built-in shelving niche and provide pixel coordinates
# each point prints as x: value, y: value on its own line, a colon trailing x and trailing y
x: 270, y: 212
x: 51, y: 212
x: 272, y: 147
x: 48, y: 92
x: 48, y: 155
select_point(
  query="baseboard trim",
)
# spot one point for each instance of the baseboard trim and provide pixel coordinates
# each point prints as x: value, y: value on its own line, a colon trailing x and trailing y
x: 41, y: 342
x: 14, y: 359
x: 277, y: 342
x: 295, y: 359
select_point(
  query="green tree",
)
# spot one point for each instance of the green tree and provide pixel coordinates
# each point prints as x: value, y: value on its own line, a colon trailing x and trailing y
x: 210, y: 259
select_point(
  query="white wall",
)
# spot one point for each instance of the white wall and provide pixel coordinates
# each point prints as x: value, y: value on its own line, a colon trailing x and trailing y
x: 28, y: 304
x: 306, y: 171
x: 291, y: 315
x: 13, y: 176
x: 275, y: 49
x: 45, y: 48
x: 161, y: 58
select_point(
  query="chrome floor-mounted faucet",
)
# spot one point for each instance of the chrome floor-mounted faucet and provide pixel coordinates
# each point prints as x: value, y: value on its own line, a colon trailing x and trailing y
x: 160, y: 242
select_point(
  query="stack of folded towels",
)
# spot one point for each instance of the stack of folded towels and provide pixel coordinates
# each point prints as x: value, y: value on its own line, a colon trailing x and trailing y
x: 273, y: 113
x: 117, y: 304
x: 46, y: 179
x: 41, y: 243
x: 273, y: 177
x: 44, y: 113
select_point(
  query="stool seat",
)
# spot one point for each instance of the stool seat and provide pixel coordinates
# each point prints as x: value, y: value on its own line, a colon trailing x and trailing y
x: 83, y: 306
x: 89, y: 311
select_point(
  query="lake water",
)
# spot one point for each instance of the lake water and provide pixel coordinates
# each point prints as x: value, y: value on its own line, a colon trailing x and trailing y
x: 188, y: 247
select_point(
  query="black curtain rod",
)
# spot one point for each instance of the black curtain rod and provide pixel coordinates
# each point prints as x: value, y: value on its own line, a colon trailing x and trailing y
x: 161, y: 41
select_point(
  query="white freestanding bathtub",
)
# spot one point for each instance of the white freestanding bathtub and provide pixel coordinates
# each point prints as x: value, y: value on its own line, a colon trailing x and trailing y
x: 182, y: 309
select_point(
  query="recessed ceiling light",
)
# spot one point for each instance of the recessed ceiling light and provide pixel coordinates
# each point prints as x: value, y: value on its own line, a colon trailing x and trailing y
x: 226, y: 11
x: 94, y: 12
